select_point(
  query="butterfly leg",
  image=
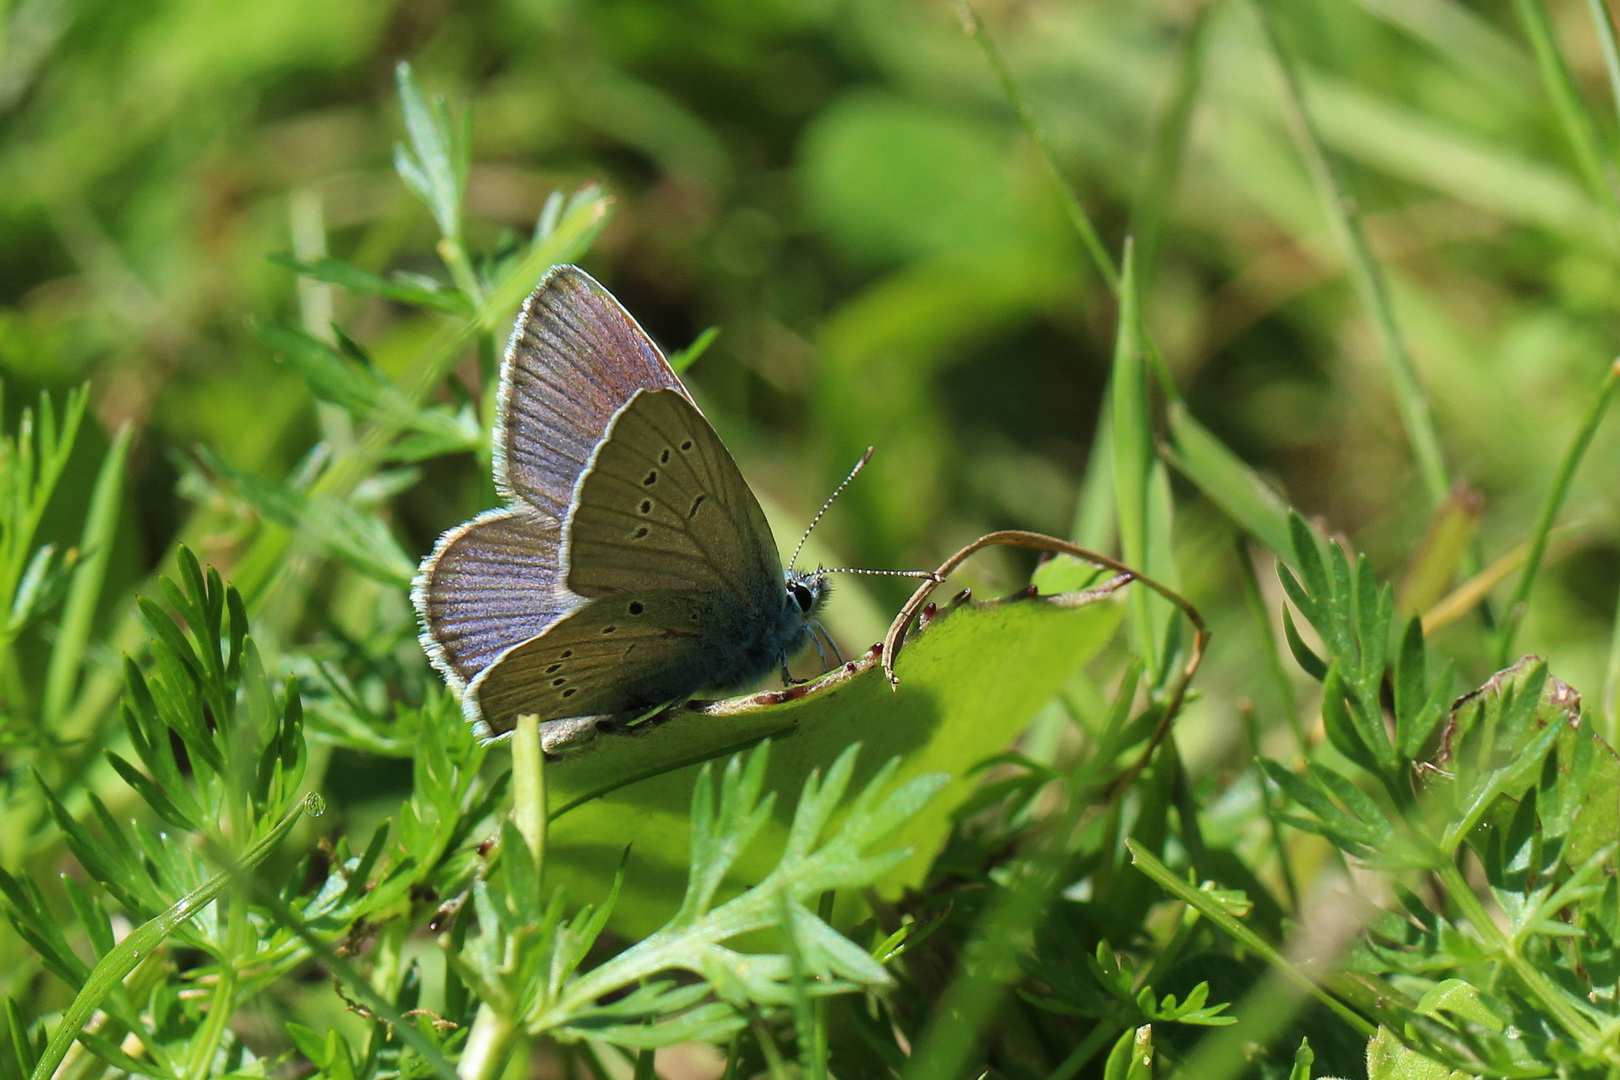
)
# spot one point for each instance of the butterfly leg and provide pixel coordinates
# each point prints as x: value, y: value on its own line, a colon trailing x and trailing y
x: 815, y: 640
x: 630, y: 720
x: 815, y: 628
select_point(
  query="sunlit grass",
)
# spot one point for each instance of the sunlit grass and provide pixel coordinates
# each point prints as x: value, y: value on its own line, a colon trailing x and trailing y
x: 1307, y: 310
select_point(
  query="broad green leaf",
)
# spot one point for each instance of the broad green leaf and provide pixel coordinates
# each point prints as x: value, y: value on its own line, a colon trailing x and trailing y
x: 1389, y: 1059
x: 969, y: 683
x: 1494, y: 730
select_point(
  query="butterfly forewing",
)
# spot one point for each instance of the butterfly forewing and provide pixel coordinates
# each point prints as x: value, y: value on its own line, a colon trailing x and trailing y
x: 488, y: 585
x: 620, y: 654
x: 663, y: 506
x: 575, y: 358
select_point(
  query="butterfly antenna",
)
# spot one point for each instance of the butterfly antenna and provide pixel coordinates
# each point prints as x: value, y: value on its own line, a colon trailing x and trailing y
x: 929, y: 574
x: 837, y: 491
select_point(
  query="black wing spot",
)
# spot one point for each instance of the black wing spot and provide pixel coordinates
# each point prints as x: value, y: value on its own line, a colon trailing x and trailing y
x: 558, y: 681
x: 651, y: 478
x: 641, y: 533
x: 693, y: 615
x: 553, y: 669
x: 697, y: 502
x: 686, y: 446
x: 565, y: 654
x: 663, y: 459
x: 609, y: 629
x: 637, y: 607
x: 570, y: 692
x: 646, y: 506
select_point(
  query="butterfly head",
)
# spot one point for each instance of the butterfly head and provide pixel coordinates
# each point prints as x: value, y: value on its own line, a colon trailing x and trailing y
x: 807, y: 590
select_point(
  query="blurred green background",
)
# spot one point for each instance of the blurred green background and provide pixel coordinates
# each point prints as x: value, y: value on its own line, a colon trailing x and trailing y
x: 843, y: 189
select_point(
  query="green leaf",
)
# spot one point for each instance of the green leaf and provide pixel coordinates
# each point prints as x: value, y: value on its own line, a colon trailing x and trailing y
x: 1228, y: 482
x: 435, y: 164
x: 114, y: 1056
x: 332, y: 376
x: 681, y: 359
x: 1134, y: 460
x: 142, y: 940
x: 1313, y: 665
x: 1132, y: 1056
x: 969, y: 683
x: 418, y: 292
x: 346, y: 530
x: 1343, y: 725
x: 95, y: 545
x: 1494, y: 747
x: 1308, y: 558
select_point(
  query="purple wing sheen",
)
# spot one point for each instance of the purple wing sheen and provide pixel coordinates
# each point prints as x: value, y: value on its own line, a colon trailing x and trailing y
x: 488, y: 585
x: 575, y: 358
x: 663, y: 506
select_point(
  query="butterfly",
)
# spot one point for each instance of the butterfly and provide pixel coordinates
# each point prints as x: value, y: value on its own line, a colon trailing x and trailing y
x: 631, y: 566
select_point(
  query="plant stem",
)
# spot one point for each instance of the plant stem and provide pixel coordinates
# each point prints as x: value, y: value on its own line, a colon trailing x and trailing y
x: 1243, y: 935
x: 529, y: 789
x: 489, y: 1045
x: 1549, y: 510
x: 461, y: 269
x: 1345, y: 217
x: 205, y: 1043
x: 1072, y: 205
x: 1462, y: 894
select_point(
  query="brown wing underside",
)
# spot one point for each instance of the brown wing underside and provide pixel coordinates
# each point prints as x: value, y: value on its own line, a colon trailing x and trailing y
x: 622, y: 653
x: 663, y: 506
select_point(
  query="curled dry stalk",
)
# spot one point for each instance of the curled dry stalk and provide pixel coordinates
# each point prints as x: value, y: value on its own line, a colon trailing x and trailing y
x: 895, y: 638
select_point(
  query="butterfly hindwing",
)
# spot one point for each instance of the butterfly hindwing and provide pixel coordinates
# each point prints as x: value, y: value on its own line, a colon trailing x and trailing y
x: 663, y: 506
x: 618, y: 654
x: 488, y: 585
x: 576, y: 356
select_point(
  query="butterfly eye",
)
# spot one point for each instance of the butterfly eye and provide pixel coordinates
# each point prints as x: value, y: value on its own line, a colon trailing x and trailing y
x: 802, y: 595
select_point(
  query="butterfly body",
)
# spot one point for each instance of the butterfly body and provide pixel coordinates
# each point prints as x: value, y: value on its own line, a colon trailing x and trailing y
x: 633, y: 567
